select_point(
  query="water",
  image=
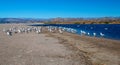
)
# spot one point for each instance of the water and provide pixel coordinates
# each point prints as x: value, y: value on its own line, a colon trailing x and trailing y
x: 111, y: 31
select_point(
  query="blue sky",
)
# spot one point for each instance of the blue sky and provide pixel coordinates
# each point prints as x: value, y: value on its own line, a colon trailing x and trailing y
x: 59, y: 8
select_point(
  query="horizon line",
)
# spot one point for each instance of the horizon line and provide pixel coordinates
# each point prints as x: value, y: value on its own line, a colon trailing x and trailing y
x: 60, y: 17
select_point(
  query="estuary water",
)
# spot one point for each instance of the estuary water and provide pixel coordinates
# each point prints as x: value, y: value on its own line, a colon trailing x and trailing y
x: 111, y: 31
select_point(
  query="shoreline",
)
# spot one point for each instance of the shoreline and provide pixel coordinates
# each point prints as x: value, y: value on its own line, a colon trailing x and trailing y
x: 90, y: 33
x: 99, y: 51
x: 95, y: 51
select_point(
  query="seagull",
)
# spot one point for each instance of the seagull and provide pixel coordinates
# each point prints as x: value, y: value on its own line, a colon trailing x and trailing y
x: 94, y: 34
x: 101, y: 34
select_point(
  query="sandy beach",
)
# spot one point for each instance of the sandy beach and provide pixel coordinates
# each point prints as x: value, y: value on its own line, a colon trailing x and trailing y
x: 56, y: 49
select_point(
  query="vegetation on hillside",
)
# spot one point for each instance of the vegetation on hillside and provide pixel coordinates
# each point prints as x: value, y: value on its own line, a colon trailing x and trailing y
x: 102, y: 20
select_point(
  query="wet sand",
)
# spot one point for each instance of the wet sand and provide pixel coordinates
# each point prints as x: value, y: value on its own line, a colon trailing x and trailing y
x: 56, y: 49
x: 99, y: 51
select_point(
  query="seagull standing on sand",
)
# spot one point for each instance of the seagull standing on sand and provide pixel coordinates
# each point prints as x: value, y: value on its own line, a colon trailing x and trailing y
x: 19, y: 31
x: 60, y: 31
x: 9, y: 33
x: 38, y: 31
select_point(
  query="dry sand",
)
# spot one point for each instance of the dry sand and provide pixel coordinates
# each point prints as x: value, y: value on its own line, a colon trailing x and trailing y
x: 35, y: 49
x: 56, y: 49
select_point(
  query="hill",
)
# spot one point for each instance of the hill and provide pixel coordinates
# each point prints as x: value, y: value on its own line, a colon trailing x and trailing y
x: 102, y: 20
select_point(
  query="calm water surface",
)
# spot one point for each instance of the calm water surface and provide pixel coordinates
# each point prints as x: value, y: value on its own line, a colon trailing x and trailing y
x: 111, y: 31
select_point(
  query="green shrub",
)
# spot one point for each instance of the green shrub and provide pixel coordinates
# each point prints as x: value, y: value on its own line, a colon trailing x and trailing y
x: 106, y: 22
x: 76, y: 22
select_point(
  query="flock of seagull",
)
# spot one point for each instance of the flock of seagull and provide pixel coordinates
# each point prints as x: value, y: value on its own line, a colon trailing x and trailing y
x: 93, y: 34
x: 51, y: 29
x: 38, y: 30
